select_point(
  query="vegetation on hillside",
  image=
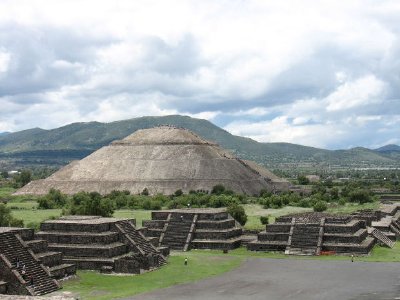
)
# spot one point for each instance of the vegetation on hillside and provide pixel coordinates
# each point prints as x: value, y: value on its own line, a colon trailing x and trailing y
x: 58, y: 146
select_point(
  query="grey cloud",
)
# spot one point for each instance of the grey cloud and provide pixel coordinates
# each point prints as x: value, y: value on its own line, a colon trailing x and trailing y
x: 33, y: 54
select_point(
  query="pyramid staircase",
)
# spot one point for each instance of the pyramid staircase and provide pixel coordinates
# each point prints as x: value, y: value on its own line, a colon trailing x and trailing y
x: 13, y: 248
x: 380, y: 236
x: 304, y: 238
x: 177, y: 232
x: 139, y: 242
x: 196, y: 228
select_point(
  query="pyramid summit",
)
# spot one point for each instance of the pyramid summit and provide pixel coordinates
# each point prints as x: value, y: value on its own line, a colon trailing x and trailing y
x: 162, y: 159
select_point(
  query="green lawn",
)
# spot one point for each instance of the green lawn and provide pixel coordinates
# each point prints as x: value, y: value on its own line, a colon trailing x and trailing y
x: 93, y: 285
x: 352, y: 207
x: 254, y: 211
x: 378, y: 254
x: 202, y: 264
x: 139, y: 215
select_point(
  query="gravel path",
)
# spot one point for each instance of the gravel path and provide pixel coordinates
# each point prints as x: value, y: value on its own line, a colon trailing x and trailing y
x: 282, y: 279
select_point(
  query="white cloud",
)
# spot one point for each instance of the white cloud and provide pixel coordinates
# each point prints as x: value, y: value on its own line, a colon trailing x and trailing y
x: 363, y: 91
x: 5, y: 59
x: 286, y: 71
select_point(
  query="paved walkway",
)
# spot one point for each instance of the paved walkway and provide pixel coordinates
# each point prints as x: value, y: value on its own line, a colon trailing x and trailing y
x: 282, y: 279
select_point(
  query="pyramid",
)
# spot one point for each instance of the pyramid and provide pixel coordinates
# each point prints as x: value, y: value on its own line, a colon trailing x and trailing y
x: 162, y: 159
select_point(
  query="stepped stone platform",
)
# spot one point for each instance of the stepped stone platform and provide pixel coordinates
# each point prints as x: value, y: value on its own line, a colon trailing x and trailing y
x: 185, y: 229
x: 105, y: 244
x: 27, y: 267
x: 315, y: 234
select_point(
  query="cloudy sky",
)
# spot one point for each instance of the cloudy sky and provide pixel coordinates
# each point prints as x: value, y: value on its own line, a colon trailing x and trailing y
x: 317, y: 73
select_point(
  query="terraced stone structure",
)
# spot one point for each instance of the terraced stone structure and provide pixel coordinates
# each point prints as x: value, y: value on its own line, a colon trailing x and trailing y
x: 163, y: 160
x: 105, y: 244
x: 185, y: 229
x: 24, y: 259
x: 314, y: 234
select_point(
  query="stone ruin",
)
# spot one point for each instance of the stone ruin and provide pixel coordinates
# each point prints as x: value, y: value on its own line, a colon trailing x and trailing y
x: 321, y: 233
x: 19, y: 248
x: 61, y: 246
x: 163, y: 159
x: 105, y: 244
x: 185, y: 229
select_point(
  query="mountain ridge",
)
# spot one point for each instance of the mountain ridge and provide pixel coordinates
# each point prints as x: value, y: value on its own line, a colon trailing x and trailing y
x: 85, y: 137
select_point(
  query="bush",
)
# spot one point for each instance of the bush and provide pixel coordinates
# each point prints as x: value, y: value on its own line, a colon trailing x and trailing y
x: 178, y: 193
x: 6, y: 218
x: 53, y: 199
x: 342, y: 201
x: 264, y: 220
x: 276, y: 201
x: 303, y: 180
x: 360, y: 196
x: 90, y: 204
x: 218, y: 189
x: 320, y: 206
x: 238, y: 213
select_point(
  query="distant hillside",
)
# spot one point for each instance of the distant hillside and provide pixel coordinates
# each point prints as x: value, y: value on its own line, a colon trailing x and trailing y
x: 389, y: 148
x: 74, y: 141
x: 4, y: 133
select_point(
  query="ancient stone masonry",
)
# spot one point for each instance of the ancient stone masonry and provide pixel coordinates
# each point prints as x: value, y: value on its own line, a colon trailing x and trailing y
x: 162, y: 160
x: 315, y: 234
x: 106, y: 244
x: 186, y: 229
x: 386, y: 221
x: 27, y: 267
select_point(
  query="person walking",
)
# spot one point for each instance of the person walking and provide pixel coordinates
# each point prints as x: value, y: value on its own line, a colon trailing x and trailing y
x: 352, y: 258
x: 186, y: 261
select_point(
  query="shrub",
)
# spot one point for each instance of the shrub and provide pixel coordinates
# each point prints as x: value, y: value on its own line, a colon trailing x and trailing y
x: 276, y: 201
x: 320, y: 206
x: 238, y: 213
x: 6, y: 218
x: 218, y: 189
x: 342, y: 201
x: 93, y: 203
x: 178, y: 193
x: 264, y: 220
x: 360, y: 196
x: 53, y: 199
x: 145, y: 192
x: 303, y: 180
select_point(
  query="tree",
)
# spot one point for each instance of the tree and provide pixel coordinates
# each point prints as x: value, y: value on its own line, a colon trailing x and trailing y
x: 218, y: 189
x: 178, y: 193
x: 303, y: 180
x: 145, y: 192
x: 320, y: 206
x: 360, y: 195
x: 238, y: 213
x: 6, y: 218
x: 4, y: 174
x: 53, y: 199
x: 264, y: 220
x: 91, y: 204
x: 22, y: 178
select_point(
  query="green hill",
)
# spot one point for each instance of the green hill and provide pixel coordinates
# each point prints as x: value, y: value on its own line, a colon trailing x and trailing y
x: 58, y: 146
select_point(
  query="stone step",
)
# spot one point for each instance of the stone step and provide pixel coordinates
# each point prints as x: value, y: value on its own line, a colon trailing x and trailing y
x: 49, y: 258
x: 61, y: 237
x: 92, y: 250
x: 62, y: 270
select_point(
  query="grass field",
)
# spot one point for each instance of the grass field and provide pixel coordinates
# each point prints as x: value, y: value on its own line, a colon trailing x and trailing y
x: 202, y: 264
x: 139, y: 215
x: 93, y: 285
x: 254, y: 211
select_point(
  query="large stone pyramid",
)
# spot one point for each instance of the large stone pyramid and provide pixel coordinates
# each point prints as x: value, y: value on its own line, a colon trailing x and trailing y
x: 162, y: 159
